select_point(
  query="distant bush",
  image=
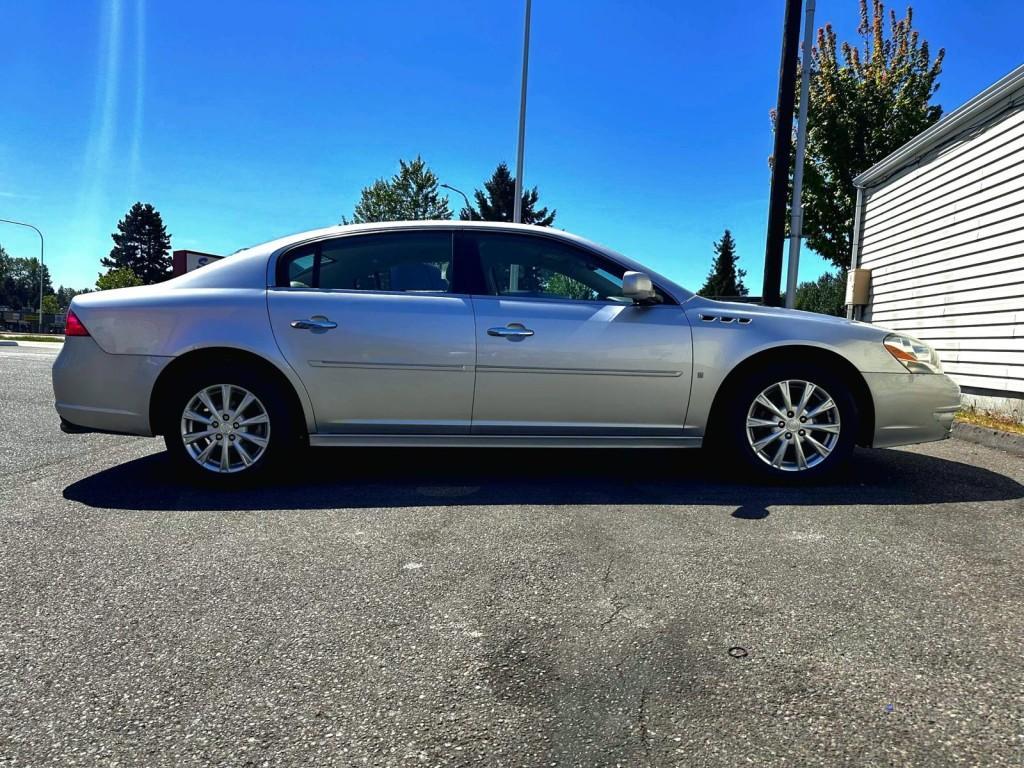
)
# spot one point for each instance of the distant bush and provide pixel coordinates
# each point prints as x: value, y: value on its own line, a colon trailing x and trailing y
x: 826, y: 295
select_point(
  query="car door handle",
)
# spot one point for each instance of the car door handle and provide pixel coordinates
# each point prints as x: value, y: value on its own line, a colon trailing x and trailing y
x: 314, y: 324
x: 513, y: 331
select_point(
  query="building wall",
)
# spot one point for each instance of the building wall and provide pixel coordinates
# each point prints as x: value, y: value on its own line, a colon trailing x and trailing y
x: 944, y: 240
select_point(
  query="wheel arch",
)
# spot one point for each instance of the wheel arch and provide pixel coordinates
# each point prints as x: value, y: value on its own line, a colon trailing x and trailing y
x: 801, y: 353
x: 198, y: 358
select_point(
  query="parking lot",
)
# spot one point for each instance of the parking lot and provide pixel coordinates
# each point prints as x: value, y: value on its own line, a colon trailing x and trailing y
x: 463, y: 607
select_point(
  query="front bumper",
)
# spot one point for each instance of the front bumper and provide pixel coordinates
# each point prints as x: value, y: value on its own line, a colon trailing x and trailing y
x: 98, y: 392
x: 912, y: 407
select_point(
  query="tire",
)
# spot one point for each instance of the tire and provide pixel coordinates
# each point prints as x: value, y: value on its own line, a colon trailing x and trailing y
x: 259, y: 432
x: 771, y: 444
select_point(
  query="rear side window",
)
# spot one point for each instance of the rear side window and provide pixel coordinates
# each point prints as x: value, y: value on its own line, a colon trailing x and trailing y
x: 413, y: 262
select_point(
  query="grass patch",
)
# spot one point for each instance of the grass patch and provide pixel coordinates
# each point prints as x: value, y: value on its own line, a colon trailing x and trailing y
x: 31, y: 337
x: 987, y: 420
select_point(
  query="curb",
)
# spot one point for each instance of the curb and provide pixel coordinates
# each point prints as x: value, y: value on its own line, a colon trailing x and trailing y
x: 991, y: 438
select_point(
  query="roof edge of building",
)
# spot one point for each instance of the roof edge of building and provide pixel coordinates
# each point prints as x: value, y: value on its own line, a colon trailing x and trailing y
x: 928, y: 139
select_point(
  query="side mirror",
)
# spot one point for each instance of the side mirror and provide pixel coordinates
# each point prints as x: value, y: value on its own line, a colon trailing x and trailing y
x: 638, y: 287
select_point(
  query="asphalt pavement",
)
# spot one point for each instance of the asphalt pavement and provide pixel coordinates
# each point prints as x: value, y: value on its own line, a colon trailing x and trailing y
x: 505, y: 608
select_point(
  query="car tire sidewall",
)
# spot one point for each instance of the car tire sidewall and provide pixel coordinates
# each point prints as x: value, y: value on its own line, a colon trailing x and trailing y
x: 736, y: 445
x: 282, y: 428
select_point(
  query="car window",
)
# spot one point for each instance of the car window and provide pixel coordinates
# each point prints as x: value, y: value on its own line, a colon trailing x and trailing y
x: 300, y: 268
x: 541, y: 267
x: 395, y: 261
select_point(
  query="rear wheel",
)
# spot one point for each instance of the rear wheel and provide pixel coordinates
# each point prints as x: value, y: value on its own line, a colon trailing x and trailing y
x: 791, y: 422
x: 225, y: 423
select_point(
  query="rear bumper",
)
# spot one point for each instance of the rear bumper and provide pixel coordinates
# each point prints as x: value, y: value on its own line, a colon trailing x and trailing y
x: 98, y: 392
x: 912, y: 407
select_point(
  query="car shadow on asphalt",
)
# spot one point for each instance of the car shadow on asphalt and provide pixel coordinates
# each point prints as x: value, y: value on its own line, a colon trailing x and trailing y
x: 391, y: 477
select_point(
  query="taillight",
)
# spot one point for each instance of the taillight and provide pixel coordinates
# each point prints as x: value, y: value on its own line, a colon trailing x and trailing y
x: 73, y: 326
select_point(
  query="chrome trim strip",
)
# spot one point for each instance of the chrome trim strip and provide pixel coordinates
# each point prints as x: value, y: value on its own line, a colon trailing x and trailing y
x: 577, y: 371
x: 502, y: 441
x: 387, y: 366
x: 742, y: 320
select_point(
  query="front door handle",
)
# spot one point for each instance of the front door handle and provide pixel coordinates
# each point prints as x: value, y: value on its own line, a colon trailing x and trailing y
x: 315, y: 323
x: 512, y: 332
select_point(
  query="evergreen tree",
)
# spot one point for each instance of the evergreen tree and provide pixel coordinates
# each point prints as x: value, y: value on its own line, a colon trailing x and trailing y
x: 725, y: 279
x: 410, y: 194
x: 142, y: 245
x: 497, y: 201
x: 866, y: 101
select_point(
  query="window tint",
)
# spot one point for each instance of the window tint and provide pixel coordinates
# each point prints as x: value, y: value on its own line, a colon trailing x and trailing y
x: 397, y: 261
x: 541, y: 267
x: 300, y: 268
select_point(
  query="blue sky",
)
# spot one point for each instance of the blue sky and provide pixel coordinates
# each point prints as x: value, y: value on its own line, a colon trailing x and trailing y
x: 648, y: 122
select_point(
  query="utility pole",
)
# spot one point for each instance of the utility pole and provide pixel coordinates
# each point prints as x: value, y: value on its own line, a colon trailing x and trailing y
x: 23, y: 224
x: 517, y: 210
x: 780, y: 165
x: 796, y: 220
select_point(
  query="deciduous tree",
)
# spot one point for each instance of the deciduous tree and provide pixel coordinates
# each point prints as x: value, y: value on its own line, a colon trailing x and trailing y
x: 866, y: 101
x: 826, y: 295
x: 19, y: 281
x: 121, y: 277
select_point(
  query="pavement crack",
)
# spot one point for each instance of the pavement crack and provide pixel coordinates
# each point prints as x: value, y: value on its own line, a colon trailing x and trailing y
x: 607, y: 580
x: 641, y: 721
x: 617, y: 608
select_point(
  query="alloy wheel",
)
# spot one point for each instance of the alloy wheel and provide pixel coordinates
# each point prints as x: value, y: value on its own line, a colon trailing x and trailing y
x: 225, y: 428
x: 793, y: 425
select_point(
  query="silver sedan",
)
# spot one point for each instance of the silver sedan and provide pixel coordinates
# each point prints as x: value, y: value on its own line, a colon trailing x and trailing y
x: 474, y: 334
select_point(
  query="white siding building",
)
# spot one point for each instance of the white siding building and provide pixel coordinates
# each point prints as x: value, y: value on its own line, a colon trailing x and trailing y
x: 940, y: 226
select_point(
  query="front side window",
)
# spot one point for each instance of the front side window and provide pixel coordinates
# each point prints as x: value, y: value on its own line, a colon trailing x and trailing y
x: 541, y: 267
x: 414, y: 262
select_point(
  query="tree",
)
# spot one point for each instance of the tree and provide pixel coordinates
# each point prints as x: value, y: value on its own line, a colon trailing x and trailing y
x: 497, y: 202
x: 7, y: 287
x: 826, y: 295
x: 861, y: 109
x: 410, y: 194
x: 50, y: 305
x: 122, y: 277
x: 725, y: 279
x: 19, y: 281
x: 142, y: 245
x: 65, y: 295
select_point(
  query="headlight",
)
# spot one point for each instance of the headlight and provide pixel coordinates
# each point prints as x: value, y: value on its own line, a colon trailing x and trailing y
x: 916, y: 356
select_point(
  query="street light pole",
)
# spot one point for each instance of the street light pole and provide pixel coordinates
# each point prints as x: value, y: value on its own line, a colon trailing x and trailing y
x: 796, y: 218
x: 23, y: 224
x: 517, y: 210
x: 453, y: 189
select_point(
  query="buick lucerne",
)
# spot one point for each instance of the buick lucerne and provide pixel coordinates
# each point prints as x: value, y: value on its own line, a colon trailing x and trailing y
x: 477, y: 334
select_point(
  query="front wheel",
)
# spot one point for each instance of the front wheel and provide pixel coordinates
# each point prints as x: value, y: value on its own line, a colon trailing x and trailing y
x: 224, y: 424
x: 792, y: 422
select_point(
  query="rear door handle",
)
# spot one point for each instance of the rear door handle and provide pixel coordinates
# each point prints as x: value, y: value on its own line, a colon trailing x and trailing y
x: 315, y: 323
x: 512, y: 331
